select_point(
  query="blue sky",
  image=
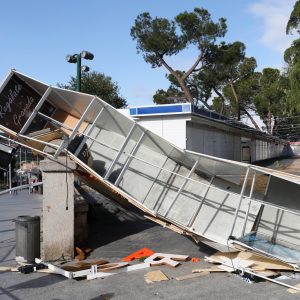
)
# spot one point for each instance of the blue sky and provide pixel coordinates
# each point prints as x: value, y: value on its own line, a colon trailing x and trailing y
x: 37, y: 35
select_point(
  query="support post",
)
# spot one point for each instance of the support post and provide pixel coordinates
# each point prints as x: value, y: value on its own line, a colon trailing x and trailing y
x: 78, y: 72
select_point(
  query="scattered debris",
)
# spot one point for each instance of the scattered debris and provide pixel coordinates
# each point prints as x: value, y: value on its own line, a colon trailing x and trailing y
x: 158, y: 259
x: 251, y: 266
x: 155, y: 276
x: 31, y: 268
x: 195, y: 259
x: 95, y: 274
x: 82, y: 254
x: 243, y: 258
x: 142, y: 253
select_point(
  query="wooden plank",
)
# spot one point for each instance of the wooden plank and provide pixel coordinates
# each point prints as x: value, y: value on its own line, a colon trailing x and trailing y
x: 193, y: 275
x: 211, y: 270
x: 5, y: 269
x: 83, y: 264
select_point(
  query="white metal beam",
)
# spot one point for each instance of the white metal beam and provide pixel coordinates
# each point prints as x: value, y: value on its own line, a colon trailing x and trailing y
x: 240, y: 201
x: 112, y: 165
x: 75, y: 130
x: 36, y: 110
x: 86, y: 136
x: 129, y: 159
x: 181, y: 188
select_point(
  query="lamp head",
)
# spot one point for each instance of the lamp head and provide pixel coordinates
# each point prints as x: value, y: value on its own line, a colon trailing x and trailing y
x: 71, y: 58
x: 87, y: 55
x: 85, y: 69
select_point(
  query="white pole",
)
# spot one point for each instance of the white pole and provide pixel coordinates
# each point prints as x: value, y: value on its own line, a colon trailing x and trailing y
x: 29, y: 183
x: 20, y: 165
x: 9, y: 169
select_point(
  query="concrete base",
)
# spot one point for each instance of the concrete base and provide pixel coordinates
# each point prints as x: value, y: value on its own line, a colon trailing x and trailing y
x: 58, y: 209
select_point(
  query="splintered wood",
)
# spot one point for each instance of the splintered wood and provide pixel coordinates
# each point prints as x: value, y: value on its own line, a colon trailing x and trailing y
x: 255, y: 262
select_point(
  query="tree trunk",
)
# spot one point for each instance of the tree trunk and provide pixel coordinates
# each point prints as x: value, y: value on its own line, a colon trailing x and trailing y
x: 269, y: 122
x: 187, y: 92
x: 252, y: 120
x: 223, y: 100
x: 181, y: 80
x: 237, y: 101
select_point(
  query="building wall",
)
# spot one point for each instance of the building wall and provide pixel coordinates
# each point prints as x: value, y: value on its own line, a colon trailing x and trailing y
x: 185, y: 133
x: 172, y: 128
x: 264, y: 149
x: 213, y: 141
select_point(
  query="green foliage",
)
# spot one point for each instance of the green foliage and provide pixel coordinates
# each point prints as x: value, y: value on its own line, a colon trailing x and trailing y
x: 294, y: 20
x: 270, y: 101
x: 98, y: 84
x: 198, y: 29
x: 158, y: 38
x: 292, y: 58
x: 172, y: 95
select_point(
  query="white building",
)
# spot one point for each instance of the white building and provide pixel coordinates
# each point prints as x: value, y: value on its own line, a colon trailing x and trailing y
x: 200, y: 130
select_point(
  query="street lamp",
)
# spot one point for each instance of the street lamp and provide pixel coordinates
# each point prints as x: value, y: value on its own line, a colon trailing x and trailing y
x: 76, y: 59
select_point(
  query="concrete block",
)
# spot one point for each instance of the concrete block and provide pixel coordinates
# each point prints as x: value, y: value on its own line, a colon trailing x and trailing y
x: 58, y: 209
x: 61, y: 164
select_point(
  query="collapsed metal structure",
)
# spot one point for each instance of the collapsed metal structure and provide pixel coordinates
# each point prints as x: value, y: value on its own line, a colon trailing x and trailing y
x: 224, y: 203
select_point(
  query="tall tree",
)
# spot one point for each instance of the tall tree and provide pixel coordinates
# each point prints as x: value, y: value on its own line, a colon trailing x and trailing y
x: 236, y: 83
x: 159, y: 38
x: 294, y: 20
x: 270, y: 101
x: 224, y: 69
x: 292, y: 58
x: 98, y: 84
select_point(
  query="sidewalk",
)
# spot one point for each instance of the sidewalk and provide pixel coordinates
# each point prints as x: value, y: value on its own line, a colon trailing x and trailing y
x: 12, y: 206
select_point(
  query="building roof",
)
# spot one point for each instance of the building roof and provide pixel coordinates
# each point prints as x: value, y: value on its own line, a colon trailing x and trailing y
x: 193, y: 110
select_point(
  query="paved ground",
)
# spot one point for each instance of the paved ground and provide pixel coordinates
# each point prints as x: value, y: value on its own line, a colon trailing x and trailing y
x: 113, y: 239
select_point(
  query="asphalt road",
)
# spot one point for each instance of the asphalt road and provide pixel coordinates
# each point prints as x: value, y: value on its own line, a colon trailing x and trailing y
x: 113, y: 237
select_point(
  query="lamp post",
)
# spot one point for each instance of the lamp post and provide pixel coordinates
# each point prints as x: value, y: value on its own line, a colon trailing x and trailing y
x: 76, y: 59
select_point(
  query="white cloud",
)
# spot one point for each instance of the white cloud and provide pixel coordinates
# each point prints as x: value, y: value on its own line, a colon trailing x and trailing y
x: 274, y: 15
